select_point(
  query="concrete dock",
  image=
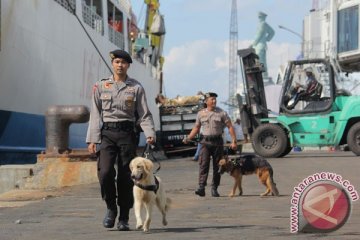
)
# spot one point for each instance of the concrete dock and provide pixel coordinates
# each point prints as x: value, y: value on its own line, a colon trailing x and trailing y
x: 76, y: 212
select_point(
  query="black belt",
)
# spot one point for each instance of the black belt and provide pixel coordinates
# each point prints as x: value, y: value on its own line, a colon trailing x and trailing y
x: 126, y: 126
x: 211, y: 137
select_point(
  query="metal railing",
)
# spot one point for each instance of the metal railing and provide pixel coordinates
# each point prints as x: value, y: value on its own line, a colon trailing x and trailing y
x: 64, y: 4
x: 92, y: 19
x: 116, y: 38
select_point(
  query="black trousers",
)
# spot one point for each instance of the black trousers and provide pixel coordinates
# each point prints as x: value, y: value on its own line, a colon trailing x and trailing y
x: 117, y: 147
x: 208, y: 150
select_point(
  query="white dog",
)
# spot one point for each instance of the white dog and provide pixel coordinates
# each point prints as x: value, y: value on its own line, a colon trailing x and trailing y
x: 148, y: 190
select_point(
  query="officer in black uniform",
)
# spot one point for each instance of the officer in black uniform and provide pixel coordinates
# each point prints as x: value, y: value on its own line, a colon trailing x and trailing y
x: 117, y: 103
x: 212, y: 120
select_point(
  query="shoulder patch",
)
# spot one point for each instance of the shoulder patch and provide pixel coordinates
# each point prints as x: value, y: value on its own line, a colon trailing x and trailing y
x: 108, y: 84
x: 95, y: 86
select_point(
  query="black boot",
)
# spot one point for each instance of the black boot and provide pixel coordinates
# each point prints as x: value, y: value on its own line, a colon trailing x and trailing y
x: 123, y: 224
x: 110, y: 217
x: 200, y: 191
x: 214, y: 192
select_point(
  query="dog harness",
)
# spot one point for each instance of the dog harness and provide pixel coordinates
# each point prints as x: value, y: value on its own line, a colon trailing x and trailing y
x: 248, y: 163
x: 152, y: 188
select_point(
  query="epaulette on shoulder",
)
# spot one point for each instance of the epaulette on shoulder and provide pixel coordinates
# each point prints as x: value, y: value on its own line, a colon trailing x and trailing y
x: 104, y: 79
x: 202, y: 111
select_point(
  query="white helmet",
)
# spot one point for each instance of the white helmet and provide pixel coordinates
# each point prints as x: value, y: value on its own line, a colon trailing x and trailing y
x: 309, y: 69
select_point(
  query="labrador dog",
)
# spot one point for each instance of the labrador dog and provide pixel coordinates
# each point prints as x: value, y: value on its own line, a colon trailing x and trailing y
x: 148, y: 191
x: 246, y: 165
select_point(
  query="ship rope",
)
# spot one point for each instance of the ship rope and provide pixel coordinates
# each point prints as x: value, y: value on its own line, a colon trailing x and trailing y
x: 88, y: 35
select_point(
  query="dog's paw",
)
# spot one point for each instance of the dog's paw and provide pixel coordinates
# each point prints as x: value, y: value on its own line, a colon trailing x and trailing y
x: 264, y: 194
x: 164, y: 222
x: 231, y: 195
x: 240, y: 193
x: 145, y: 230
x: 139, y: 226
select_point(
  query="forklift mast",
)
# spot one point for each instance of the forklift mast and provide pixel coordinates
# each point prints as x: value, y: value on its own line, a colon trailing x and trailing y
x: 254, y: 108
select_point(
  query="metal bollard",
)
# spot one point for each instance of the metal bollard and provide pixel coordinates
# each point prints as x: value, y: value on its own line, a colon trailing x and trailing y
x: 57, y: 122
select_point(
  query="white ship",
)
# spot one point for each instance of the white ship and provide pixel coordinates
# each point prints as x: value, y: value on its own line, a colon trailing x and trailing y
x: 48, y: 56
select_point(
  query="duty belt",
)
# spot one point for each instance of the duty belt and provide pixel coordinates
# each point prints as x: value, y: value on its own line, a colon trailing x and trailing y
x: 211, y: 137
x: 126, y: 126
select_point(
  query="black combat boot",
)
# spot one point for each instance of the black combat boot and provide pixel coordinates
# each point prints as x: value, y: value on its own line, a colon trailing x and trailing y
x: 200, y: 191
x: 110, y: 216
x: 123, y: 224
x: 214, y: 192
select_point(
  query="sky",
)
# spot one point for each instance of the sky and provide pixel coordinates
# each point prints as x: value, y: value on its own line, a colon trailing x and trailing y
x: 196, y: 47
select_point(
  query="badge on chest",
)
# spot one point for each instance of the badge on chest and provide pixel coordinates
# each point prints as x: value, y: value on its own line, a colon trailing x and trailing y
x: 130, y: 97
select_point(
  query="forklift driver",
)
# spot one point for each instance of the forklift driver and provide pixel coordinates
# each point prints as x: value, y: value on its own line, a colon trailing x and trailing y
x: 310, y: 91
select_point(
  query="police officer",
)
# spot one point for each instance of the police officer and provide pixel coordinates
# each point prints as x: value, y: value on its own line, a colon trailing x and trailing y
x: 115, y: 102
x: 212, y: 120
x: 310, y: 91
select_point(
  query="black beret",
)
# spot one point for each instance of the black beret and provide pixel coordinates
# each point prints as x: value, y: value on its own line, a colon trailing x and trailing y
x: 210, y: 94
x: 120, y: 54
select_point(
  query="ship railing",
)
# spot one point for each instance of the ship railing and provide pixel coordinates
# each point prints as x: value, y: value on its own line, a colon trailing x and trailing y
x: 92, y: 19
x: 116, y: 37
x: 65, y: 4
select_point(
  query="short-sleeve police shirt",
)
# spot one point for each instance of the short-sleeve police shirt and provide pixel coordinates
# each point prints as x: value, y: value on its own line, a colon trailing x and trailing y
x: 212, y: 122
x: 116, y: 102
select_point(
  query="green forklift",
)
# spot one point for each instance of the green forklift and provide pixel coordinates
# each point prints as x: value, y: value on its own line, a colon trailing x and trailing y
x: 313, y: 110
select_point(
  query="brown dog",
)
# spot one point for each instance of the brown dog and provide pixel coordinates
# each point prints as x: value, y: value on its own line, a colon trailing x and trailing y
x: 246, y: 165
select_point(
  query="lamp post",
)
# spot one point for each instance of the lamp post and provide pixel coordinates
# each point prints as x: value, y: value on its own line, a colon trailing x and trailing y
x: 293, y: 32
x: 297, y: 34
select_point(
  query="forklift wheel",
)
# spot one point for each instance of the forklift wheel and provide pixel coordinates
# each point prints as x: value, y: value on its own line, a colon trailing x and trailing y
x: 353, y: 139
x: 270, y: 140
x: 287, y: 150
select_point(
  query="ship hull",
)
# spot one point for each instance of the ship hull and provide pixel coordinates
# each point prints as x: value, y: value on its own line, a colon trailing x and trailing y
x: 46, y: 58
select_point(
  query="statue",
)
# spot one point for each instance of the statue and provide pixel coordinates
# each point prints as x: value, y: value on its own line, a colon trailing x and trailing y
x: 264, y: 34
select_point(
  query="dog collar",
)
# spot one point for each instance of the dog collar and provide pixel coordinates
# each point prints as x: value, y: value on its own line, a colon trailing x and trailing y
x: 152, y: 188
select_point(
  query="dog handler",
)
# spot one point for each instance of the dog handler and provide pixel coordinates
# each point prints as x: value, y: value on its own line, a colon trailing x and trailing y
x: 112, y: 125
x: 213, y: 120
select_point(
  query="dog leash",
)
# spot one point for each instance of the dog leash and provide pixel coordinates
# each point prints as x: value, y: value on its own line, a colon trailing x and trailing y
x: 149, y: 151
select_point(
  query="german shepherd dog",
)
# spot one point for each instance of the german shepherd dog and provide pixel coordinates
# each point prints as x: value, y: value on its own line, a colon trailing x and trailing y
x: 246, y: 165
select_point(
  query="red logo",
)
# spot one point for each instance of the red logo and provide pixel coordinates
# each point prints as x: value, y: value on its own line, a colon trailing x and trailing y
x: 325, y: 207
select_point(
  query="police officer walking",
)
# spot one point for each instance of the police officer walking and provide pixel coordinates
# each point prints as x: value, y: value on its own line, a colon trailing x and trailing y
x: 212, y: 120
x: 115, y: 102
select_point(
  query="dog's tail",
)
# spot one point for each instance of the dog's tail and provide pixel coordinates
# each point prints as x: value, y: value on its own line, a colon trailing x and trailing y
x: 274, y: 189
x: 168, y: 204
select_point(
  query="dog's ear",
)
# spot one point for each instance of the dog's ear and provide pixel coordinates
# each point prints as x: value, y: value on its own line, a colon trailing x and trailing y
x: 148, y: 165
x: 131, y: 165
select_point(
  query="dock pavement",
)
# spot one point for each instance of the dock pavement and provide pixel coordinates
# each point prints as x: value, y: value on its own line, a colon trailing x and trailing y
x: 76, y: 212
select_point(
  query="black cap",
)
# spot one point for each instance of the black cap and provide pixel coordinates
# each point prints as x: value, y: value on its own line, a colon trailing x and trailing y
x: 210, y: 94
x: 120, y: 54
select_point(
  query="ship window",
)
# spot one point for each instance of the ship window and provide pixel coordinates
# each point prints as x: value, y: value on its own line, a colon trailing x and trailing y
x: 116, y: 25
x: 93, y: 15
x: 65, y: 4
x: 348, y: 25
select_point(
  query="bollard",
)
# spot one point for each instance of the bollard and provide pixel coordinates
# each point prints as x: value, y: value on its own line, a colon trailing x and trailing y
x: 57, y: 122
